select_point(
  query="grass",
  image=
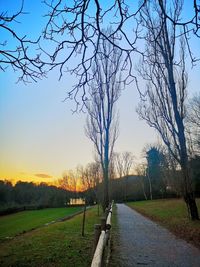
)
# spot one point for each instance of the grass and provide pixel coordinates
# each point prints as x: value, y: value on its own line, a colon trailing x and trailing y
x: 14, y: 224
x: 172, y: 214
x: 57, y: 245
x: 114, y: 259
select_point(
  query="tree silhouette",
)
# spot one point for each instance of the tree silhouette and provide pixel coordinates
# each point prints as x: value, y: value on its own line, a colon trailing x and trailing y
x: 163, y: 103
x: 193, y: 119
x: 75, y: 29
x: 102, y: 120
x: 16, y: 50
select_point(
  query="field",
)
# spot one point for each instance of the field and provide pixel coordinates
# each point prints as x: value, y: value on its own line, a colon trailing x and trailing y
x: 172, y: 214
x: 57, y: 245
x: 14, y: 224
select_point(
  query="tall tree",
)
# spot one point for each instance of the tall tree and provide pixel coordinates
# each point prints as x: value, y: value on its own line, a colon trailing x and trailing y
x: 193, y: 119
x: 163, y: 103
x: 102, y: 120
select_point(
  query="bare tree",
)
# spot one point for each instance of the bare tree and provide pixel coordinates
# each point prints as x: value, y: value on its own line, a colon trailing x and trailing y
x: 69, y: 181
x: 128, y: 162
x: 123, y: 164
x: 141, y: 172
x: 76, y: 28
x: 193, y: 120
x: 118, y: 164
x: 86, y: 182
x: 163, y: 103
x: 16, y: 51
x: 91, y: 179
x: 102, y: 120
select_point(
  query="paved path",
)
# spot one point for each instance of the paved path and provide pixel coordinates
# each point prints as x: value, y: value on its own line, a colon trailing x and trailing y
x: 144, y: 243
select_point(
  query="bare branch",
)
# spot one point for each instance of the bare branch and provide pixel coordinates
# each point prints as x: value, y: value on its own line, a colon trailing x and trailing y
x: 16, y: 54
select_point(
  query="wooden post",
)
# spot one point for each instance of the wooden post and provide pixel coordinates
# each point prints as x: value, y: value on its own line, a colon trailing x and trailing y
x: 97, y: 232
x: 103, y: 223
x: 98, y: 209
x: 83, y: 223
x: 106, y: 212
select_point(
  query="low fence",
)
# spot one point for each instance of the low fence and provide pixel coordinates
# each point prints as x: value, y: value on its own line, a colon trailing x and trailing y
x: 101, y: 237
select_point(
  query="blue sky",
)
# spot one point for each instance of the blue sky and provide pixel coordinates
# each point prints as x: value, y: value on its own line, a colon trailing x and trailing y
x: 39, y: 134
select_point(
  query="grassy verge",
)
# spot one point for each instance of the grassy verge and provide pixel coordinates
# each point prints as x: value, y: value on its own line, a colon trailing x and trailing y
x: 114, y: 258
x: 11, y: 225
x: 172, y: 214
x: 57, y: 245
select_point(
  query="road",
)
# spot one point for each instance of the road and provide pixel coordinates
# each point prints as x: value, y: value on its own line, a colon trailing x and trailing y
x: 141, y: 242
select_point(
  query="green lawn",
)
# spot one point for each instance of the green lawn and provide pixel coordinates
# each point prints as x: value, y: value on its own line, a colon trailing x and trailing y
x: 172, y: 214
x: 11, y: 225
x: 56, y: 245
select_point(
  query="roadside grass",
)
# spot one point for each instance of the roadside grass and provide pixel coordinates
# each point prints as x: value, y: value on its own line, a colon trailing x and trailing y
x: 14, y: 224
x: 172, y: 214
x: 56, y: 245
x: 114, y: 258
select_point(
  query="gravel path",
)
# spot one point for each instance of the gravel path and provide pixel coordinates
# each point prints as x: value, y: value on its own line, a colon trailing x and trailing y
x: 144, y: 243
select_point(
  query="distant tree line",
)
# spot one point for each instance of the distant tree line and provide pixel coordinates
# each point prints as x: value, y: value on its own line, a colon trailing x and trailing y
x: 158, y: 176
x: 28, y: 195
x: 165, y: 184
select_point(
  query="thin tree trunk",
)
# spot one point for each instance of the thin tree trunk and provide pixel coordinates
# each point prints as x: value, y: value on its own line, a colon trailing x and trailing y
x: 143, y: 189
x: 106, y: 194
x: 106, y: 172
x: 150, y: 185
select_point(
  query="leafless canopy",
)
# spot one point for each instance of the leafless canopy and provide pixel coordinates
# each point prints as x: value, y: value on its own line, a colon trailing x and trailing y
x: 193, y: 122
x: 104, y: 91
x: 123, y: 163
x: 76, y: 28
x: 14, y: 49
x: 163, y: 103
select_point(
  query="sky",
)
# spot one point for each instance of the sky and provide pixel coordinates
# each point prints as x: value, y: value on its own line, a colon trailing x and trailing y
x: 40, y: 138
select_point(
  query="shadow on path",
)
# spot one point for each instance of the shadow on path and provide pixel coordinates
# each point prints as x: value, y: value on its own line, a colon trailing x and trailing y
x: 142, y: 242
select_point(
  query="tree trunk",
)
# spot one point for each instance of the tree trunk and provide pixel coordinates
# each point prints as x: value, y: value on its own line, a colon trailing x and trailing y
x: 105, y: 191
x: 106, y: 172
x: 188, y: 195
x: 150, y: 185
x: 192, y: 206
x: 143, y: 189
